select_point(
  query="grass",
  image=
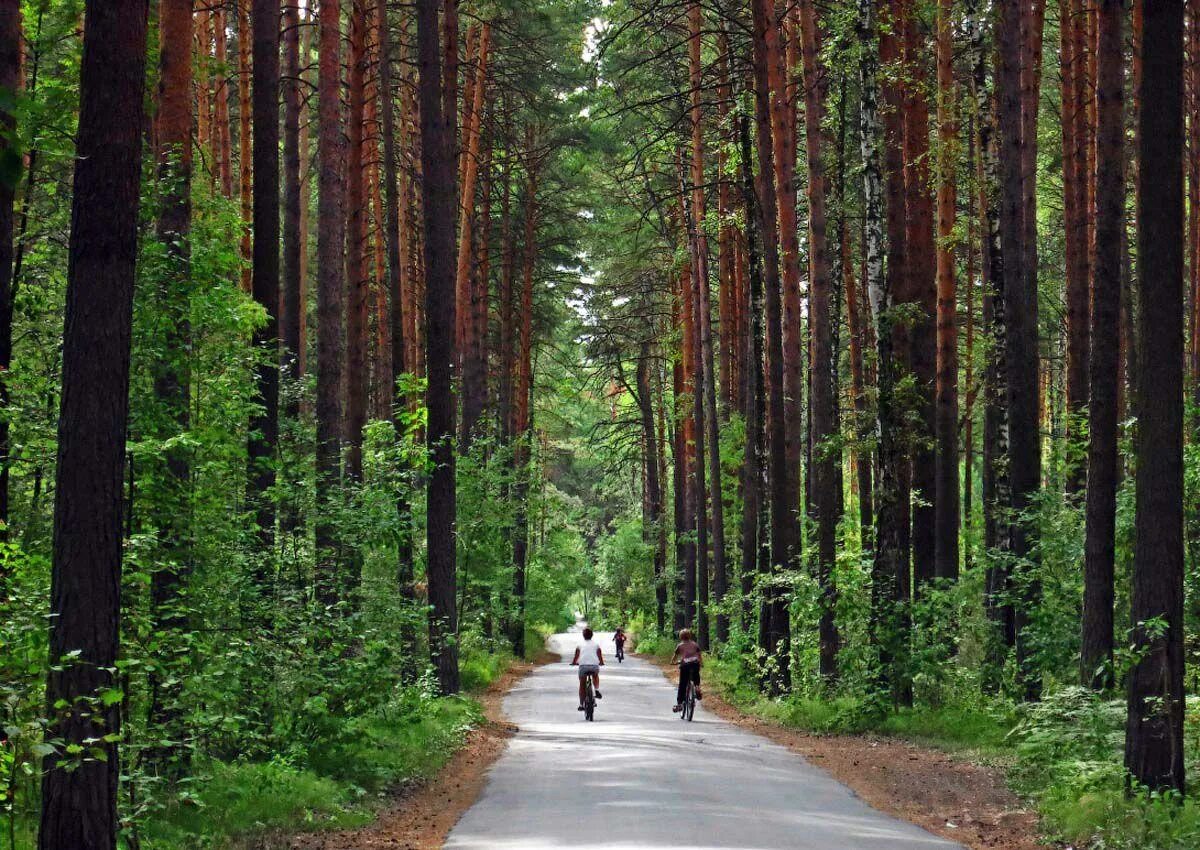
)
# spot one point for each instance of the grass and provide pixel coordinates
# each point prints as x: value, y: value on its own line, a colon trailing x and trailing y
x: 233, y: 805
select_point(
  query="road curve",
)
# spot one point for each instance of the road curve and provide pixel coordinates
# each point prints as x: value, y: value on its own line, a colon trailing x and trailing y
x: 638, y: 778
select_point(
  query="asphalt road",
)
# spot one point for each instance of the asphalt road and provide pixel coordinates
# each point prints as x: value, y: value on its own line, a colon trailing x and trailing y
x: 638, y: 778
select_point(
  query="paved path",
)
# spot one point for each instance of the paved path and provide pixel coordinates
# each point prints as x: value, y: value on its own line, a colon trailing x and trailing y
x: 638, y: 778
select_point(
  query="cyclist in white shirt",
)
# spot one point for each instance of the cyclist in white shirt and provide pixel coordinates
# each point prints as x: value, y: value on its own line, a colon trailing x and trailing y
x: 589, y: 659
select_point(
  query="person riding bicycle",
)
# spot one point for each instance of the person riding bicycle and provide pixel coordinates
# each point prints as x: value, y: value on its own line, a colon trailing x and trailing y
x: 690, y: 661
x: 619, y: 639
x: 589, y: 659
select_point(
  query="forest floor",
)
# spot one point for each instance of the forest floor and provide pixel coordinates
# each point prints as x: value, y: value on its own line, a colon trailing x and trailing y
x: 947, y: 794
x: 421, y: 815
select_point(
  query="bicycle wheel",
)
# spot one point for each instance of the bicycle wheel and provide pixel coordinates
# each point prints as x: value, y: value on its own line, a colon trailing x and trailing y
x: 689, y: 707
x: 589, y: 704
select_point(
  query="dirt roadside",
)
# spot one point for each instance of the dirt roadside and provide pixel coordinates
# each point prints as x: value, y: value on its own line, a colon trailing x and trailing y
x: 422, y: 815
x: 957, y: 799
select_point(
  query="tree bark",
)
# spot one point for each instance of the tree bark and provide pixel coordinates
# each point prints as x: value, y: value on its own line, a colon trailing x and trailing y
x: 291, y: 303
x: 1154, y: 729
x: 245, y: 175
x: 10, y: 85
x: 438, y: 193
x: 821, y: 320
x: 712, y: 433
x: 920, y: 269
x: 169, y: 508
x: 1075, y: 247
x: 474, y: 351
x: 264, y: 424
x: 358, y: 280
x: 1096, y: 647
x: 1020, y: 294
x: 784, y: 494
x: 79, y: 806
x: 946, y: 503
x: 331, y: 344
x: 522, y: 421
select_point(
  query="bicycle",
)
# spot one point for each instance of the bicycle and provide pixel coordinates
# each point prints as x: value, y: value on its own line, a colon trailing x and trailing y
x: 620, y: 652
x: 688, y: 706
x: 589, y: 699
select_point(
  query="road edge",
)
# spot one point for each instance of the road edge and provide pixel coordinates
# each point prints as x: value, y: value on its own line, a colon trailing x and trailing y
x: 422, y: 814
x: 855, y: 760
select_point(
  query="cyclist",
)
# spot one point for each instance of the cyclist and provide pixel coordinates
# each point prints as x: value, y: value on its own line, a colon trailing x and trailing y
x: 690, y: 661
x: 589, y: 659
x: 619, y: 640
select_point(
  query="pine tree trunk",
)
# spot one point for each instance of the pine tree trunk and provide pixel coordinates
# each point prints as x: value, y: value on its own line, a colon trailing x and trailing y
x: 264, y: 425
x: 10, y: 83
x: 522, y: 420
x: 331, y: 341
x: 358, y: 280
x: 821, y: 320
x: 169, y: 507
x: 707, y: 371
x: 79, y: 806
x: 1020, y: 295
x: 946, y: 503
x: 222, y: 133
x: 291, y: 303
x: 921, y: 271
x: 891, y: 553
x: 1096, y: 647
x: 784, y: 495
x: 474, y: 352
x: 893, y: 495
x: 245, y: 174
x: 1154, y: 746
x: 755, y: 523
x: 1075, y: 245
x: 652, y: 532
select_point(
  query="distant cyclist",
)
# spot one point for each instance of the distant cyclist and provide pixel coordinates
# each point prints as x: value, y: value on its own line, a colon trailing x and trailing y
x: 589, y: 659
x: 690, y: 660
x: 619, y: 639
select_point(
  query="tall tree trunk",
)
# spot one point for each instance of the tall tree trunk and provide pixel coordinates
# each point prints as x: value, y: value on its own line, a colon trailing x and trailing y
x: 784, y: 493
x: 727, y: 295
x: 264, y: 425
x: 222, y: 133
x: 920, y: 260
x: 245, y: 174
x: 1154, y: 730
x: 891, y: 554
x: 712, y: 433
x: 754, y: 528
x: 358, y: 279
x: 522, y: 421
x: 1020, y: 294
x: 79, y: 805
x: 1075, y: 247
x: 438, y: 193
x: 10, y: 84
x: 170, y: 508
x: 474, y: 352
x: 396, y: 264
x: 946, y: 504
x: 821, y: 320
x: 1096, y: 647
x: 291, y: 303
x: 894, y: 509
x: 995, y: 478
x: 653, y: 531
x: 331, y: 341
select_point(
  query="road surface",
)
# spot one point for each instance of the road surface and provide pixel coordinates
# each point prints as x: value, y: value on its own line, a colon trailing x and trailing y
x: 638, y: 778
